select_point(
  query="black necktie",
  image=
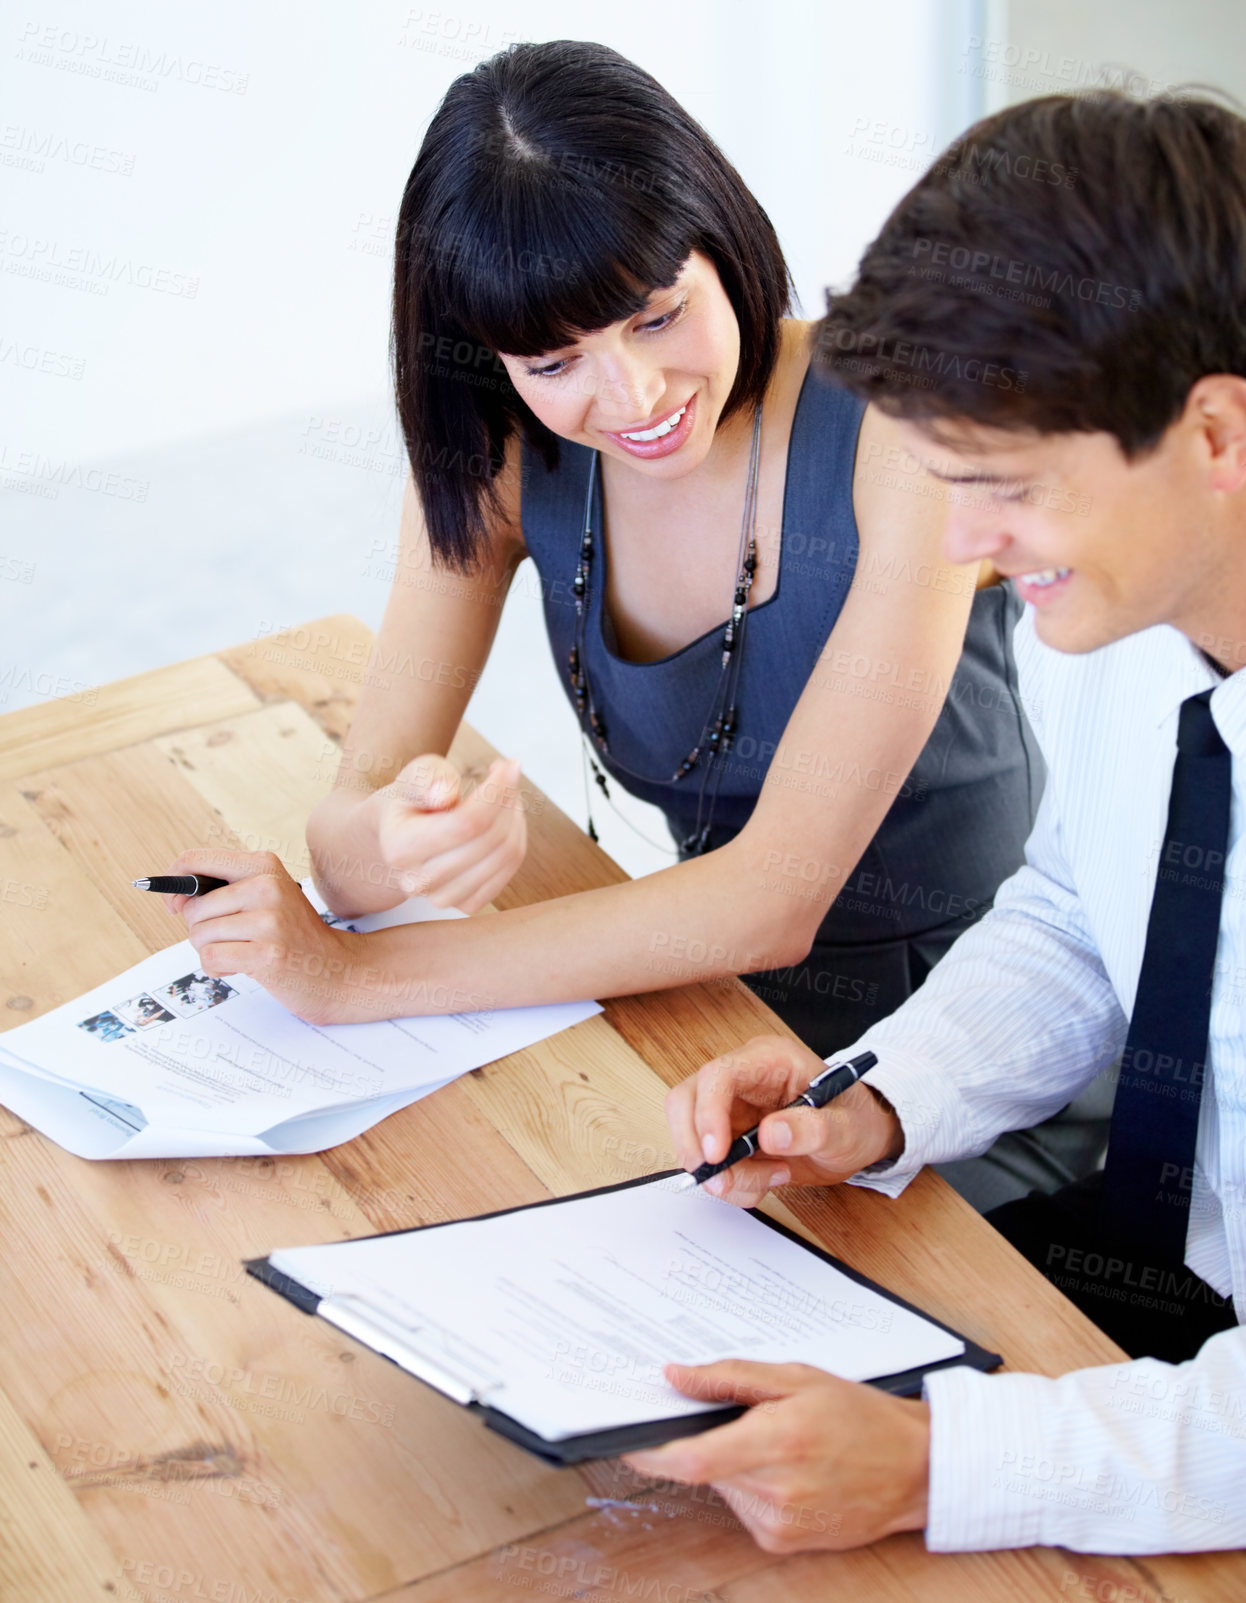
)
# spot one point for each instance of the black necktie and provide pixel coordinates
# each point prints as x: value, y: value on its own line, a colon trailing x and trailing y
x: 1149, y: 1168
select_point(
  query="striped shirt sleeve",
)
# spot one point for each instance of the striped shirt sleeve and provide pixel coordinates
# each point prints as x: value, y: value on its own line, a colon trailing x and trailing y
x: 1015, y: 1020
x: 1141, y: 1457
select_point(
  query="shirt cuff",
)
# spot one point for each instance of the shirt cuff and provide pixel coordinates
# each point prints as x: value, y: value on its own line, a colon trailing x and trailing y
x: 930, y: 1112
x: 984, y: 1431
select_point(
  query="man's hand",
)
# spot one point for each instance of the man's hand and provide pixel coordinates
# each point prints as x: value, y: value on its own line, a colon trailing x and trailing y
x: 458, y: 850
x: 261, y: 924
x: 807, y: 1147
x: 821, y: 1463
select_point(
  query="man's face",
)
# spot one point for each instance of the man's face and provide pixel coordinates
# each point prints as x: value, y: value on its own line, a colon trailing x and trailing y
x: 1101, y: 546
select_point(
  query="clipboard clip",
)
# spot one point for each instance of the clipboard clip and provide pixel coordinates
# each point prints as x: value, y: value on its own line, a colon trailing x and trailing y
x: 357, y: 1317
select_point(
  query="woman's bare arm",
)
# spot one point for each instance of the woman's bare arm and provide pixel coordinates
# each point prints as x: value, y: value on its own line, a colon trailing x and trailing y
x: 758, y: 901
x: 394, y: 813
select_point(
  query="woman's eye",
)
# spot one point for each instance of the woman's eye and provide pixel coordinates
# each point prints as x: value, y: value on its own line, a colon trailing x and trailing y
x: 654, y: 326
x: 666, y: 319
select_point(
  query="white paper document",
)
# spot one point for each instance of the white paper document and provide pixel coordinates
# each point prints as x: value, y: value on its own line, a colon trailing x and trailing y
x: 562, y: 1316
x: 164, y: 1061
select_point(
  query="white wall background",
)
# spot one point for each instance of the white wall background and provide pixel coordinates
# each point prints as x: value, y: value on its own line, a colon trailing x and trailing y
x: 196, y: 205
x: 255, y: 164
x: 195, y: 217
x: 1044, y: 47
x: 196, y: 438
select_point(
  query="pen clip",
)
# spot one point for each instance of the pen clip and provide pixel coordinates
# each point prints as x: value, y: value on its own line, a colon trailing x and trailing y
x: 821, y: 1079
x: 393, y: 1340
x: 859, y: 1065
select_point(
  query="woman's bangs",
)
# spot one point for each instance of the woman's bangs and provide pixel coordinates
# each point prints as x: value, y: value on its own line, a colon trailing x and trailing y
x: 537, y: 277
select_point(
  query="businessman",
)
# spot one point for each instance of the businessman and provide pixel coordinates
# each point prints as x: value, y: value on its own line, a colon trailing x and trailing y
x: 1058, y: 312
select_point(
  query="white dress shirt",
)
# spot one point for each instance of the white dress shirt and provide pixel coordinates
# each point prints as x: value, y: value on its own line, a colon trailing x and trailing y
x: 1029, y: 1005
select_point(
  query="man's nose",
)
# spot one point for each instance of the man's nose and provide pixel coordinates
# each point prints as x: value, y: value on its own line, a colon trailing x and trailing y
x: 973, y: 531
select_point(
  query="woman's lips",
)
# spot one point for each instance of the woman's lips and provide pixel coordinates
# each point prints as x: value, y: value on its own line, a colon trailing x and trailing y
x: 648, y: 449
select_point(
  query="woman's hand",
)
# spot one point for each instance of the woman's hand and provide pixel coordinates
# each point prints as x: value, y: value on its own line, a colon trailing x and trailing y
x: 805, y: 1147
x: 261, y: 924
x: 458, y: 850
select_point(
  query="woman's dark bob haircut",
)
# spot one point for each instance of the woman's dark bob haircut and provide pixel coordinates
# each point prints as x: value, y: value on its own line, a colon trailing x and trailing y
x: 558, y: 186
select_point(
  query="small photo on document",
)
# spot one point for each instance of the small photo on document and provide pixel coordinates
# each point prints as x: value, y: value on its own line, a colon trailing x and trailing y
x: 193, y: 993
x: 143, y: 1011
x: 105, y: 1027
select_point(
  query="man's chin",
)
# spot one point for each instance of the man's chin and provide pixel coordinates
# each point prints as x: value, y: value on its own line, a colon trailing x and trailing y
x: 1076, y: 635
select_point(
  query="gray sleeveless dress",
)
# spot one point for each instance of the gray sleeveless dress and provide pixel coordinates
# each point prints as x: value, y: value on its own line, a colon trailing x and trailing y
x: 959, y: 820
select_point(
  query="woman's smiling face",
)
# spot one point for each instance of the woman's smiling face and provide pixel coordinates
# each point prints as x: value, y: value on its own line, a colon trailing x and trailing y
x: 649, y: 390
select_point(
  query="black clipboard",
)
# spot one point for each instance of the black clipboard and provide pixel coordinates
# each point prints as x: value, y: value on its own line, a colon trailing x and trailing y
x: 631, y: 1438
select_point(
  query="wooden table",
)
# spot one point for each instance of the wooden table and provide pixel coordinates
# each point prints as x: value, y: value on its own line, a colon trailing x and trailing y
x: 169, y: 1429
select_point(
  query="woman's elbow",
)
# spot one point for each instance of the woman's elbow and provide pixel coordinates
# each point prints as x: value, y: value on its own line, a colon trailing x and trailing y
x: 782, y: 928
x: 776, y: 914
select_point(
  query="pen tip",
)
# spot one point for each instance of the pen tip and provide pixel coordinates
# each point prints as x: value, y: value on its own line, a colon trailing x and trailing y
x: 686, y: 1182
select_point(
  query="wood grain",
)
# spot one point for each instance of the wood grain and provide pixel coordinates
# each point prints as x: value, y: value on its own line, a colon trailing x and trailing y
x: 59, y: 936
x: 265, y: 770
x: 50, y: 1551
x: 120, y: 714
x: 122, y: 815
x: 320, y: 665
x: 195, y: 1436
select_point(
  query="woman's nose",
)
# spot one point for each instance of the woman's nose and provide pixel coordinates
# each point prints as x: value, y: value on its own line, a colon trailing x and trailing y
x: 628, y: 391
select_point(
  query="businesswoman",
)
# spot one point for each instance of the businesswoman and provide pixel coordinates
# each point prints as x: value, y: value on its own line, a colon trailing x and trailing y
x: 742, y: 585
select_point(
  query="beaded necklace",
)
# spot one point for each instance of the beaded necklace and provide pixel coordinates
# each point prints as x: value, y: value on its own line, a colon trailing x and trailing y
x: 720, y: 726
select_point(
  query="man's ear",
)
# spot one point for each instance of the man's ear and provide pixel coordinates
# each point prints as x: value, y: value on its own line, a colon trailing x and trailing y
x: 1216, y: 406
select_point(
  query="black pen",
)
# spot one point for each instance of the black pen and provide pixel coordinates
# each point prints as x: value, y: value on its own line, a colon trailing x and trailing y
x: 179, y: 884
x: 823, y: 1088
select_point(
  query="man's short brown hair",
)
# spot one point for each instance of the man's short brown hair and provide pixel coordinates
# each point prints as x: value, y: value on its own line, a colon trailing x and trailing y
x: 1073, y: 263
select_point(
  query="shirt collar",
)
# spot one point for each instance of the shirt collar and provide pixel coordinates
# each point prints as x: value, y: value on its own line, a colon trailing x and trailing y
x: 1193, y: 674
x: 1228, y: 707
